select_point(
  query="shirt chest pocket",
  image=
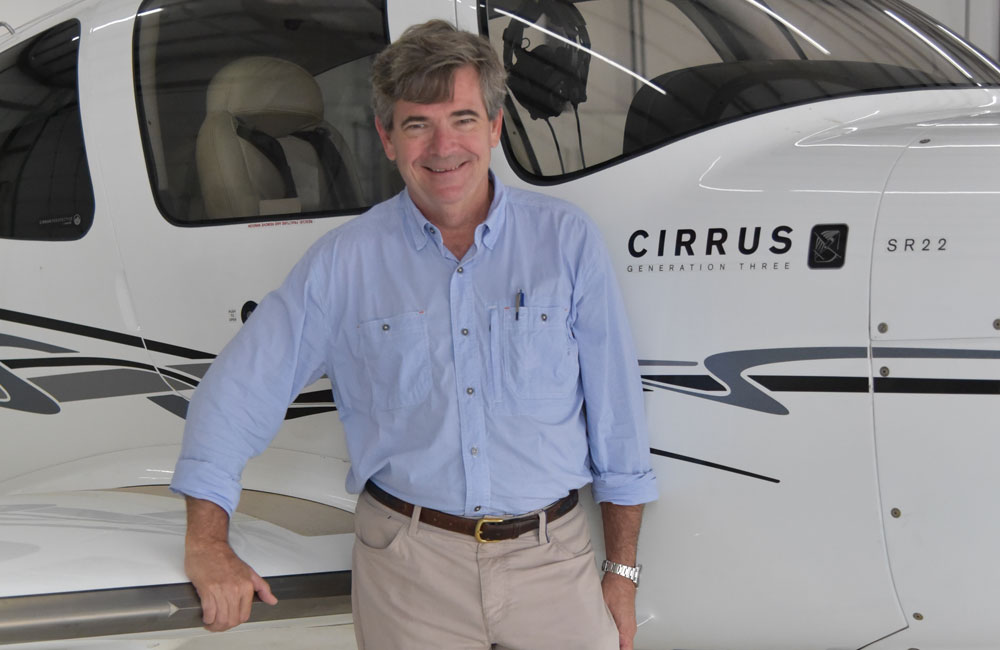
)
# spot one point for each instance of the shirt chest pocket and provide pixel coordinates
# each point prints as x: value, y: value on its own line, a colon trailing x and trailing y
x: 540, y: 356
x: 397, y: 355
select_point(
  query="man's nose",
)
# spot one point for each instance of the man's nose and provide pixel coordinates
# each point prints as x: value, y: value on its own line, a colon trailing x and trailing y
x: 443, y: 140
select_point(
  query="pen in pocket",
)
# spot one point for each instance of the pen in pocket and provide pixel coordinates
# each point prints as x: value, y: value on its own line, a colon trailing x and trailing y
x: 518, y: 303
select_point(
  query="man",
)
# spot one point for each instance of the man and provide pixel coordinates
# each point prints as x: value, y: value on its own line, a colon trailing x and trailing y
x: 462, y: 325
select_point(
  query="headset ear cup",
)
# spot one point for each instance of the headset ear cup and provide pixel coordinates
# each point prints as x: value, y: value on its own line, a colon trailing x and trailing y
x: 549, y: 78
x: 538, y: 84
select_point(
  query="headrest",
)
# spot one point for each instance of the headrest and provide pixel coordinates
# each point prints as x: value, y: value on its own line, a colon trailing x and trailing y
x: 272, y: 95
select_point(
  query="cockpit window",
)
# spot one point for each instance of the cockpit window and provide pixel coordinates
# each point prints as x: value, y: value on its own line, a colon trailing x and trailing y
x: 260, y: 109
x: 45, y: 187
x: 592, y: 81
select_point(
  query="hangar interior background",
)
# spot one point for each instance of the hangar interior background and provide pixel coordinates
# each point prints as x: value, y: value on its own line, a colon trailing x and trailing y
x: 977, y: 20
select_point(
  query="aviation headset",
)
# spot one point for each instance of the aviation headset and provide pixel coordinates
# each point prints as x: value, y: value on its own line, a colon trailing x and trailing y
x: 549, y: 77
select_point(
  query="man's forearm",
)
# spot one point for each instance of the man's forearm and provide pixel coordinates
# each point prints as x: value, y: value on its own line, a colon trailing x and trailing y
x: 206, y: 522
x: 621, y: 532
x: 621, y: 539
x: 225, y: 583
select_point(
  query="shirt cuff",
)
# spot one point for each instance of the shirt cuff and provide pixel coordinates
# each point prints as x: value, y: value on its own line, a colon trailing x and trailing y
x: 626, y: 489
x: 202, y: 480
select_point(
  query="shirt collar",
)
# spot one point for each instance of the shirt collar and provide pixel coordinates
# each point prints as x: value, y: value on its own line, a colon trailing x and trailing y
x: 421, y: 230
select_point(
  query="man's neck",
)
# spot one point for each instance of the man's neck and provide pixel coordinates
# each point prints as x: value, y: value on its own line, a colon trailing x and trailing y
x: 458, y: 226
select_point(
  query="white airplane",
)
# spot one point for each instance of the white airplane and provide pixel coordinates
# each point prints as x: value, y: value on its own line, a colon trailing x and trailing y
x: 800, y: 198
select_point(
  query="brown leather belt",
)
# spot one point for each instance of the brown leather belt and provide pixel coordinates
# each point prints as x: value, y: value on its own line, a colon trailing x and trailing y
x: 485, y: 529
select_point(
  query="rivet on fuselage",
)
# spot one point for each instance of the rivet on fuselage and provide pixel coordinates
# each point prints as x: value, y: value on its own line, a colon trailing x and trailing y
x: 896, y: 513
x: 884, y: 327
x: 884, y: 371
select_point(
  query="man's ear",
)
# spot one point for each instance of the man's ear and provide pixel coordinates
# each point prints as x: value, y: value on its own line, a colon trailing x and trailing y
x: 496, y: 127
x: 383, y: 135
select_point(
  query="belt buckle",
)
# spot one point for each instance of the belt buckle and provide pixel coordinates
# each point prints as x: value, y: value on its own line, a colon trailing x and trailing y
x: 479, y: 529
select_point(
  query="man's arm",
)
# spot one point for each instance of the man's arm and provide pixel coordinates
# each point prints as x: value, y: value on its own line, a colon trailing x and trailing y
x: 621, y: 539
x: 225, y: 583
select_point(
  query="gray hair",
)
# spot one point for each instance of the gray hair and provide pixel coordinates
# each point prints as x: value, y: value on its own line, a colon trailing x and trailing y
x: 420, y: 65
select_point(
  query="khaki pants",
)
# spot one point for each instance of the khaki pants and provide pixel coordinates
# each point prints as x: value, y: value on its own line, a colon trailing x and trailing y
x: 416, y: 587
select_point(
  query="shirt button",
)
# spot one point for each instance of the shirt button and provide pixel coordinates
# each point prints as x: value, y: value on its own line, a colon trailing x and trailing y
x: 465, y: 331
x: 470, y: 390
x: 474, y: 451
x: 545, y: 316
x: 385, y: 327
x: 460, y: 270
x: 431, y: 230
x: 478, y: 508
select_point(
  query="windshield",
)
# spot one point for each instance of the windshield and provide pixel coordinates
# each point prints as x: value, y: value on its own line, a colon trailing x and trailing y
x: 595, y: 80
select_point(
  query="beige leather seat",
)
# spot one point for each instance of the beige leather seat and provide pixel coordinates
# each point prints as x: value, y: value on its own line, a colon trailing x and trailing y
x: 264, y: 148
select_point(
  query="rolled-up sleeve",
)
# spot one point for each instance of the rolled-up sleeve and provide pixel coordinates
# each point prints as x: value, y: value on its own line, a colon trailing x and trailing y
x: 616, y: 420
x: 241, y: 403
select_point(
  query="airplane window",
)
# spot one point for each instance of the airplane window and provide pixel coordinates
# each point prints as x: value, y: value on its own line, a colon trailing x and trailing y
x: 260, y: 109
x: 45, y: 188
x: 594, y: 81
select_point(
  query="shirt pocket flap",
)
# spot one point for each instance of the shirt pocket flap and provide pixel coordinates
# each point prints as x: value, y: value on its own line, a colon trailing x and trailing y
x: 396, y: 351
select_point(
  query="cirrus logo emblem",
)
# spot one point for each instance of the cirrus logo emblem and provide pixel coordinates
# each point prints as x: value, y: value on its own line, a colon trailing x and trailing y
x: 828, y: 246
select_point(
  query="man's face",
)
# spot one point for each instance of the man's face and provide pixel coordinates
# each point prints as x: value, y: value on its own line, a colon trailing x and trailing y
x: 442, y: 150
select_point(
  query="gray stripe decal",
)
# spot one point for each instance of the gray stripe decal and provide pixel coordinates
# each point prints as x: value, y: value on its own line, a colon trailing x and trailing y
x: 97, y: 384
x: 933, y: 353
x: 173, y: 403
x: 22, y: 396
x: 650, y: 362
x: 194, y: 369
x: 727, y: 367
x: 11, y: 341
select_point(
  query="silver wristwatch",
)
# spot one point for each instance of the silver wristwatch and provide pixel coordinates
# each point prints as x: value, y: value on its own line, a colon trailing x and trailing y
x: 625, y: 571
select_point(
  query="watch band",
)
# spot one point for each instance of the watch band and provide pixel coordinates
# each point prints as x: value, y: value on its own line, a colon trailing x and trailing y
x: 625, y: 571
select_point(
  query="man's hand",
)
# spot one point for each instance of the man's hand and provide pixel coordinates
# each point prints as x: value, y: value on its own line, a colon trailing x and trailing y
x: 619, y: 594
x: 621, y: 536
x: 225, y: 583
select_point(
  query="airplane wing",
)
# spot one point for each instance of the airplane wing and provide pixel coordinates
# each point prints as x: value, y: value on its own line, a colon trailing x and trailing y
x: 100, y: 564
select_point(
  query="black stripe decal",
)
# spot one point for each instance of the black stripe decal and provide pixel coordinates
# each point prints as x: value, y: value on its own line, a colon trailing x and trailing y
x: 806, y: 384
x: 814, y: 384
x: 937, y: 386
x: 102, y: 334
x: 295, y: 413
x: 315, y: 397
x: 698, y: 461
x: 56, y: 362
x: 135, y: 610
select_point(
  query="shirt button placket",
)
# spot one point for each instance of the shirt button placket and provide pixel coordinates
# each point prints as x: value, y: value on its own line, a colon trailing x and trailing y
x: 469, y: 371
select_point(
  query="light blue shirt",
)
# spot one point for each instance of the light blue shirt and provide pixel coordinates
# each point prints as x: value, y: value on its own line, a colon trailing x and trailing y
x: 452, y: 395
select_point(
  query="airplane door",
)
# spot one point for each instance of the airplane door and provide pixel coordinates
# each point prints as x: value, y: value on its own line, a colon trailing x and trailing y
x: 73, y: 368
x: 936, y: 355
x: 255, y: 137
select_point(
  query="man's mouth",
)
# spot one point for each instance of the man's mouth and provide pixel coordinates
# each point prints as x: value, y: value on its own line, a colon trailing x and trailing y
x: 443, y: 170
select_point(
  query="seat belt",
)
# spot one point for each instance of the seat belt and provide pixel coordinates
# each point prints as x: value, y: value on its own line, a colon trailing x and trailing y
x: 271, y: 149
x: 333, y: 167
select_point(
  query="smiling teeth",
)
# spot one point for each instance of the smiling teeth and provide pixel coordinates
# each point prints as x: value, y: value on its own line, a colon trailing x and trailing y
x: 450, y: 169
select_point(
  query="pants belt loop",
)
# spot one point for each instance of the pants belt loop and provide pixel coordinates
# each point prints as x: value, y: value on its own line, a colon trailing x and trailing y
x: 543, y: 533
x: 414, y: 521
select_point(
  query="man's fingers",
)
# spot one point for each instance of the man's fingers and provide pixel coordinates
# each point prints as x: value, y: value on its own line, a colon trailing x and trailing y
x: 208, y: 609
x: 262, y: 588
x: 246, y: 603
